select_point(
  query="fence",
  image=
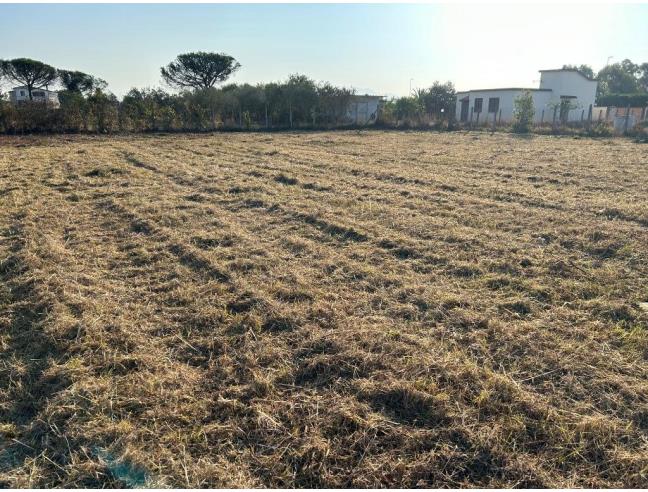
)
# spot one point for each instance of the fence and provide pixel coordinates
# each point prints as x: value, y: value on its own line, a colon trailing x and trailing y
x: 621, y: 120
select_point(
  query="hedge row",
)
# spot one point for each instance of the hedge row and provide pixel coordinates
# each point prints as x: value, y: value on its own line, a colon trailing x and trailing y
x: 638, y: 100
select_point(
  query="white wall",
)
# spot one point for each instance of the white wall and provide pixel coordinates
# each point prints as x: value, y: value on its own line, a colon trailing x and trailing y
x: 362, y: 111
x: 560, y: 83
x: 50, y: 96
x: 506, y: 104
x: 569, y: 83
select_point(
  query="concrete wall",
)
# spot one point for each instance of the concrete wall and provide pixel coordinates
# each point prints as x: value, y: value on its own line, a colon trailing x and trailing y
x: 22, y: 95
x: 559, y: 83
x: 363, y: 110
x: 568, y: 83
x: 506, y: 104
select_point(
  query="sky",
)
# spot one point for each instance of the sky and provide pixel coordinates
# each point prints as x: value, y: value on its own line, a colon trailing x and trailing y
x: 375, y: 48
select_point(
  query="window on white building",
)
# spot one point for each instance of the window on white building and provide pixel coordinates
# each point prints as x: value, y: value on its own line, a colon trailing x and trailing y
x: 493, y: 104
x: 479, y: 101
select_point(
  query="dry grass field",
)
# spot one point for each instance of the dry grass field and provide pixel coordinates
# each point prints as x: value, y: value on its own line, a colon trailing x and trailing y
x: 323, y: 309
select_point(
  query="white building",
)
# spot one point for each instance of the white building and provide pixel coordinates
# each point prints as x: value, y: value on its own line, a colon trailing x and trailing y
x: 556, y: 86
x: 363, y: 110
x: 21, y: 94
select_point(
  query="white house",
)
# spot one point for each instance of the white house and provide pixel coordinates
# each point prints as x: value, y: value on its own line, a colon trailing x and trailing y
x: 20, y: 94
x: 556, y: 86
x: 363, y: 110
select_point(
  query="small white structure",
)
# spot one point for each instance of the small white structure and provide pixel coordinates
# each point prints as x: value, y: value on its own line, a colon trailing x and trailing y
x: 21, y: 94
x: 568, y: 86
x: 363, y: 110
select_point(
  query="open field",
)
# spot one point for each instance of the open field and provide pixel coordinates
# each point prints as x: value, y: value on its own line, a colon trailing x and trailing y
x: 323, y: 309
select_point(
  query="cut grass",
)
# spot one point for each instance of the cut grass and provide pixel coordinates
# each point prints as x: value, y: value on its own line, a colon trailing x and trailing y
x: 323, y: 310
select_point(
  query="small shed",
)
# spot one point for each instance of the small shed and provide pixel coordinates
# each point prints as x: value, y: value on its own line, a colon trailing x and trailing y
x: 363, y: 110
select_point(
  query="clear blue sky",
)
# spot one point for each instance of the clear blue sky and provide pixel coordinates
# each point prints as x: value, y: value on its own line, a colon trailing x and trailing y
x: 373, y: 48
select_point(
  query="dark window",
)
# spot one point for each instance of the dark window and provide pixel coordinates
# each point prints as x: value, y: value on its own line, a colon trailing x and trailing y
x: 38, y: 94
x: 493, y: 104
x: 478, y: 104
x: 22, y: 93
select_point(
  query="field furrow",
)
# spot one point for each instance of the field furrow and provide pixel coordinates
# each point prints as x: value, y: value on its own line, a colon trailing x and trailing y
x: 343, y: 309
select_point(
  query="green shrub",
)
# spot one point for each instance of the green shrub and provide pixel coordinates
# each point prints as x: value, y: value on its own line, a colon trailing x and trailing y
x: 523, y: 113
x: 601, y: 129
x: 637, y: 100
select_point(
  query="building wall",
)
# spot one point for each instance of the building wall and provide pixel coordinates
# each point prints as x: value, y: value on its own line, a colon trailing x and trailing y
x: 22, y: 95
x: 363, y: 110
x: 560, y: 83
x: 570, y: 84
x: 16, y: 95
x: 506, y: 104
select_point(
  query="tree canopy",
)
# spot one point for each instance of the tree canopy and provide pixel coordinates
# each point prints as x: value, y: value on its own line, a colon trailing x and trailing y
x: 75, y: 81
x: 437, y: 99
x: 623, y: 78
x: 31, y: 73
x: 199, y: 70
x: 584, y: 69
x: 617, y: 79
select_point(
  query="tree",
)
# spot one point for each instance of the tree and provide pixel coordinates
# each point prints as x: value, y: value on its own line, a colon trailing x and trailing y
x: 584, y: 69
x: 199, y: 70
x: 333, y: 102
x: 523, y: 112
x: 31, y: 73
x: 643, y: 79
x: 618, y: 78
x: 103, y: 107
x: 274, y: 98
x: 630, y: 68
x: 74, y: 110
x: 300, y: 93
x: 438, y: 100
x: 75, y: 81
x: 407, y: 108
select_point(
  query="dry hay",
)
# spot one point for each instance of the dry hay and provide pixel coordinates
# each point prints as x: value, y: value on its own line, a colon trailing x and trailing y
x: 323, y: 309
